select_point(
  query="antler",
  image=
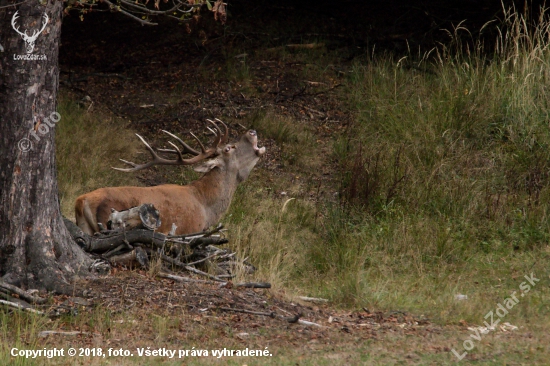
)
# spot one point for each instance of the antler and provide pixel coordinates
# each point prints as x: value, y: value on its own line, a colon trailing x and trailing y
x: 13, y: 19
x: 37, y: 33
x: 199, y: 156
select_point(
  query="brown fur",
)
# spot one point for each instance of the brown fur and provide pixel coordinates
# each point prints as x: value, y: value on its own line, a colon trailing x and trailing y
x: 192, y: 208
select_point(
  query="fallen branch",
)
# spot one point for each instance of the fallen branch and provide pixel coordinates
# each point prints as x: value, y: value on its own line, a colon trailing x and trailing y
x: 207, y: 241
x: 312, y: 299
x: 204, y: 259
x: 201, y: 233
x: 188, y: 268
x: 23, y: 294
x: 293, y: 319
x: 185, y: 279
x: 21, y: 307
x: 254, y: 285
x: 108, y: 240
x: 143, y: 216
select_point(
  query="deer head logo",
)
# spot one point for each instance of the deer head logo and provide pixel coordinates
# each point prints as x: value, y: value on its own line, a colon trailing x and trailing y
x: 29, y: 40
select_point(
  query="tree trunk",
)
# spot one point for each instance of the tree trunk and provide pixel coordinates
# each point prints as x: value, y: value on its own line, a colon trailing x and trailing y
x: 36, y: 250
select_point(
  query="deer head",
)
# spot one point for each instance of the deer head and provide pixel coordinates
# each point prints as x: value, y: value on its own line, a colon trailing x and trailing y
x: 238, y: 159
x: 29, y: 40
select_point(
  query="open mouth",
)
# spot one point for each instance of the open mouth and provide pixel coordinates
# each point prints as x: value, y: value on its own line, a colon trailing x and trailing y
x: 258, y: 151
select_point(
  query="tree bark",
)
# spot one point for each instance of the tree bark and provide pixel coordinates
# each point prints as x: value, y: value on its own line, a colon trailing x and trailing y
x: 36, y: 250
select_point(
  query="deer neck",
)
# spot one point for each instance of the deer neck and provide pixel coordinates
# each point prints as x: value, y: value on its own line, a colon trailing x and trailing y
x: 215, y: 188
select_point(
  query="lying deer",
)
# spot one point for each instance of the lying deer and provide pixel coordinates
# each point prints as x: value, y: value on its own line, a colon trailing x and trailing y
x: 192, y: 208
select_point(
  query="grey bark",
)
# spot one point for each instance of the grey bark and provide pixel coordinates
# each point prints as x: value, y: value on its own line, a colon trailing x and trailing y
x: 36, y: 250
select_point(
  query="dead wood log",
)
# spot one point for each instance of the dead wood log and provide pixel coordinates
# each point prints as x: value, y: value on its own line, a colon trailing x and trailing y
x: 104, y: 242
x: 108, y: 240
x: 143, y: 216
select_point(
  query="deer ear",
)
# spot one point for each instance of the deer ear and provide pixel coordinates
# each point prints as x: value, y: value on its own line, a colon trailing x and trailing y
x: 208, y: 166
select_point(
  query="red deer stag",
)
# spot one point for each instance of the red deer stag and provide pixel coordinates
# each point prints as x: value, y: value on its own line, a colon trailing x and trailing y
x: 193, y: 207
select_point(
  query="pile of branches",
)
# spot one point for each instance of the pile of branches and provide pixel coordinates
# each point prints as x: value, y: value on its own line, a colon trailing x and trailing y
x: 131, y: 240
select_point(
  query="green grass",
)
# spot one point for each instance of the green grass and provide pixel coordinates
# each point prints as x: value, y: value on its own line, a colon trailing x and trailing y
x: 446, y: 174
x: 443, y: 180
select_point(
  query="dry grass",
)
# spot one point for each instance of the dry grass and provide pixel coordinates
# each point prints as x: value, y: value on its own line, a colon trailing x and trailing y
x: 89, y: 142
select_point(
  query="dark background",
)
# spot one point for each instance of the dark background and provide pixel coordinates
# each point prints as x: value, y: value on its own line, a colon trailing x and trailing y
x: 393, y: 25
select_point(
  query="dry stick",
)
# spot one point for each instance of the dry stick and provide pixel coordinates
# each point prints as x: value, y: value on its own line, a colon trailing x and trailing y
x: 203, y: 260
x: 190, y: 269
x: 23, y: 294
x: 207, y: 241
x: 254, y: 284
x: 222, y: 284
x: 198, y: 234
x: 185, y: 279
x: 312, y: 299
x: 18, y: 306
x: 305, y: 322
x: 294, y: 319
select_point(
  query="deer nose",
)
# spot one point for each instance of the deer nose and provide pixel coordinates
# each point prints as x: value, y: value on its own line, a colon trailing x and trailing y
x: 252, y: 132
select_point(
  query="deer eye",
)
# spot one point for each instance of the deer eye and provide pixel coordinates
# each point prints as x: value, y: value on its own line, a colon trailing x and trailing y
x: 227, y: 149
